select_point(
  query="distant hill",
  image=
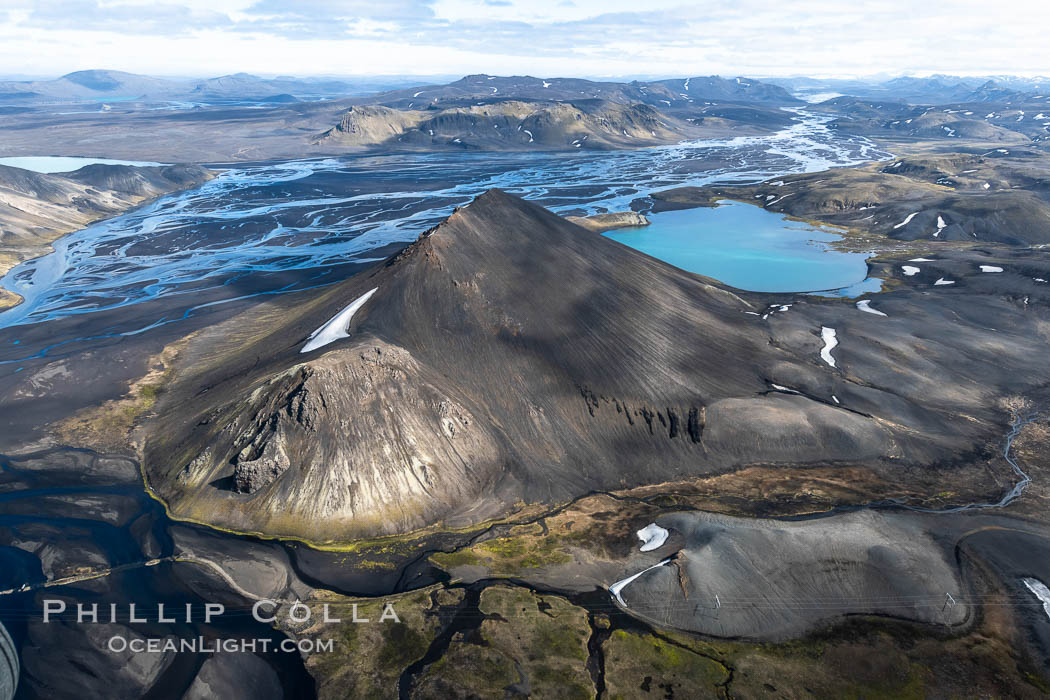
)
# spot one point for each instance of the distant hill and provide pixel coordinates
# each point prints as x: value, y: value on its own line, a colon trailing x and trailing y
x: 663, y: 94
x: 997, y: 119
x: 728, y: 90
x: 992, y: 91
x: 248, y: 86
x: 514, y: 124
x: 90, y: 84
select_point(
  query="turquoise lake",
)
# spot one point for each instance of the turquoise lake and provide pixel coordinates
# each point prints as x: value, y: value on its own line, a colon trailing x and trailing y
x: 750, y: 248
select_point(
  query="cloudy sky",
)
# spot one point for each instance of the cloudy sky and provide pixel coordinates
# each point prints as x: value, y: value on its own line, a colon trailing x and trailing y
x: 538, y: 37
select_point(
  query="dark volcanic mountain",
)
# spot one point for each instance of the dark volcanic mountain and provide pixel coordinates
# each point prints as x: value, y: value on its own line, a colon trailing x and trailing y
x: 510, y: 356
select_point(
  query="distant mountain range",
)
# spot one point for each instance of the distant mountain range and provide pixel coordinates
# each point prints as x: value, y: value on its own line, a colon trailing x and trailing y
x: 400, y: 93
x: 242, y: 116
x: 412, y: 92
x: 111, y: 85
x: 934, y: 89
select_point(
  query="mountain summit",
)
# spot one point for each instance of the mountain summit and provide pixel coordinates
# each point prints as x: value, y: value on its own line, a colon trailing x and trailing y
x: 506, y: 356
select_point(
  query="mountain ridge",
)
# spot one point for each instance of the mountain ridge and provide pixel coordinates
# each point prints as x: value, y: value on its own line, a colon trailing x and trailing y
x: 514, y: 124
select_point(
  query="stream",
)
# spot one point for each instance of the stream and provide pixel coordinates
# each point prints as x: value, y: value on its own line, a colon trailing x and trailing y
x: 274, y: 228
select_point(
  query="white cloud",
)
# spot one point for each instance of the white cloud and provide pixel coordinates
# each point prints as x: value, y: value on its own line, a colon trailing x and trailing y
x: 582, y: 37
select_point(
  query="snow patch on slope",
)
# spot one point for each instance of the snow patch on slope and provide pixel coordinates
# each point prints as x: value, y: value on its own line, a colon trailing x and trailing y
x: 865, y: 306
x: 652, y: 536
x: 830, y: 341
x: 336, y: 328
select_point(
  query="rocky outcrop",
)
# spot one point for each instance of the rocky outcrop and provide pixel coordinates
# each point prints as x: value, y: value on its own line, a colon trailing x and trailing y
x: 368, y: 125
x: 600, y: 223
x: 363, y: 437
